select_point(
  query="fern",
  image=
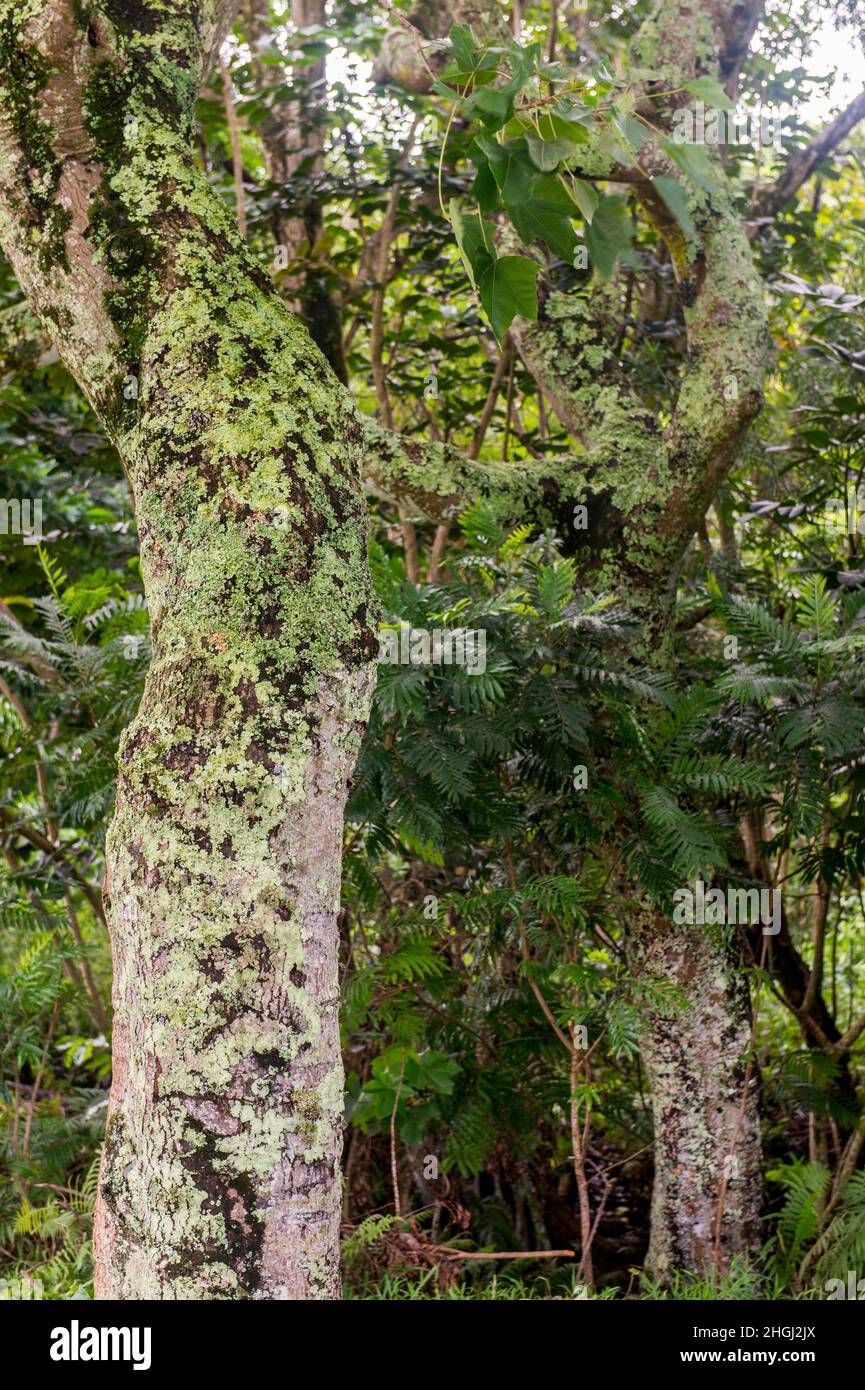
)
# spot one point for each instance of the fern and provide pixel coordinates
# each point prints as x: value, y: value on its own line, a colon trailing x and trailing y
x: 471, y: 1135
x: 555, y: 586
x: 762, y: 629
x: 413, y: 959
x: 688, y: 841
x: 817, y: 612
x: 799, y: 1218
x: 841, y: 1247
x: 366, y: 1235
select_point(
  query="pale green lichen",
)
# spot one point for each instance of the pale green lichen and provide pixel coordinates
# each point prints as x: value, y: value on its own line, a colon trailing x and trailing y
x: 244, y: 457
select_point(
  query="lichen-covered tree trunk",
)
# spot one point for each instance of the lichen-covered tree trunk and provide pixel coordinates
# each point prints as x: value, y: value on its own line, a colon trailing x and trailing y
x: 220, y: 1176
x: 648, y: 486
x: 697, y: 1049
x: 221, y: 1170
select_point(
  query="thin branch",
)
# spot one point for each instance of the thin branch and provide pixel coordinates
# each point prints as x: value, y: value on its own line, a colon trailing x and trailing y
x: 448, y: 1254
x: 554, y: 30
x: 234, y: 135
x: 49, y: 847
x: 443, y: 530
x: 821, y: 913
x: 580, y: 1147
x: 37, y: 1081
x: 502, y: 367
x: 394, y: 1165
x: 99, y: 1013
x: 376, y: 339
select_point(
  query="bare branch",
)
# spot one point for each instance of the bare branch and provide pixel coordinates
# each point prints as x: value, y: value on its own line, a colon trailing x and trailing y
x: 236, y: 156
x: 735, y: 24
x: 803, y: 164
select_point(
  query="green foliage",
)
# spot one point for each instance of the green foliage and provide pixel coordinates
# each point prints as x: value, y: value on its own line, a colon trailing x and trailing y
x: 740, y: 1282
x: 527, y: 155
x: 841, y: 1246
x: 820, y: 1231
x: 799, y: 1218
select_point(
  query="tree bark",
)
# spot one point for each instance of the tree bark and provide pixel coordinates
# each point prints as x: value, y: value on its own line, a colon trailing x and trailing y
x: 220, y: 1175
x: 708, y: 1187
x: 244, y: 457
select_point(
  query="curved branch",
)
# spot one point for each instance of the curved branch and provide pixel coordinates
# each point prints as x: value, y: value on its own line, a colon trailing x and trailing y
x: 436, y: 481
x: 735, y: 23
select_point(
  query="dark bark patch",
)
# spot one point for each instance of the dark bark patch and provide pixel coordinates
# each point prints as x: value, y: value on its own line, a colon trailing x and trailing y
x: 234, y: 1199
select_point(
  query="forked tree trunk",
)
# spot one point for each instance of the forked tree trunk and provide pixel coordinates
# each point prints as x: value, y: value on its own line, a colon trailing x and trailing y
x: 707, y: 1191
x: 220, y: 1175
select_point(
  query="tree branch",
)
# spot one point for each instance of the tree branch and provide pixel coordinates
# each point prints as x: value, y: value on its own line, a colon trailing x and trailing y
x: 735, y: 23
x: 802, y: 165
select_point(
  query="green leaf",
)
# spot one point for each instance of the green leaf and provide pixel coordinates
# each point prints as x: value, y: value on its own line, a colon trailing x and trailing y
x: 416, y: 1122
x: 474, y: 245
x: 547, y: 155
x: 552, y: 140
x: 609, y: 236
x: 511, y: 167
x: 566, y: 124
x: 585, y: 198
x: 485, y: 189
x: 634, y: 133
x: 464, y: 46
x: 611, y: 144
x: 546, y: 216
x: 494, y: 105
x: 507, y: 288
x: 711, y: 92
x: 470, y: 66
x: 435, y: 1071
x: 676, y: 200
x: 522, y: 62
x: 693, y: 161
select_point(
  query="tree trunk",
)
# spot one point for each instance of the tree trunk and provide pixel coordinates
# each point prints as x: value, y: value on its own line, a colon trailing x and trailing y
x: 220, y: 1171
x: 708, y: 1174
